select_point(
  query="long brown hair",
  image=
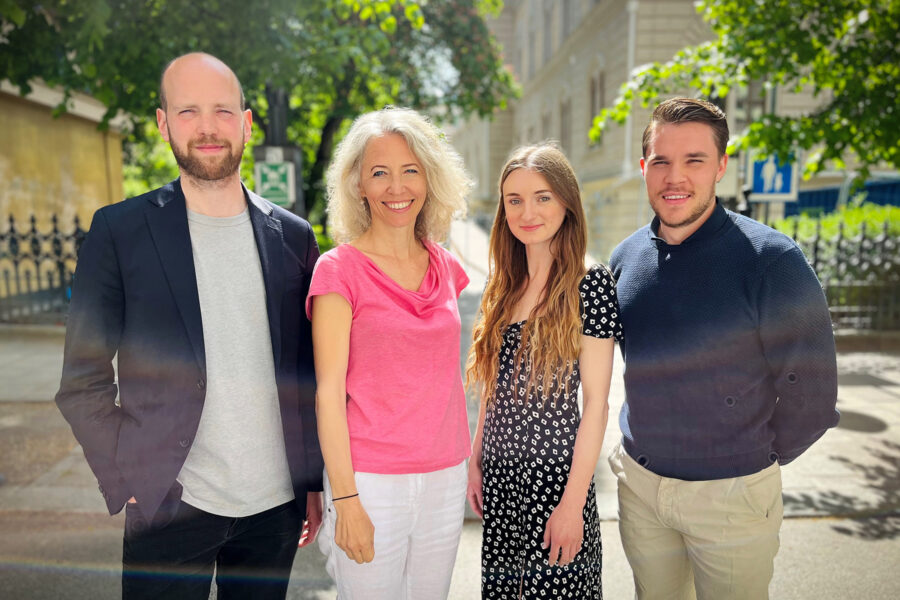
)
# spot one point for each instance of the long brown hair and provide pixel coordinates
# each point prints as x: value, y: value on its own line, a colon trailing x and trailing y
x: 551, y: 337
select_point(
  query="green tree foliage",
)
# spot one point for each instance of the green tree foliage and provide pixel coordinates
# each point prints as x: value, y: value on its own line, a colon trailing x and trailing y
x: 149, y: 163
x: 845, y: 51
x: 326, y: 60
x: 849, y: 220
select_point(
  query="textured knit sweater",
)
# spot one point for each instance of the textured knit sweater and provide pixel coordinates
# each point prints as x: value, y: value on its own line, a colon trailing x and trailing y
x: 729, y: 352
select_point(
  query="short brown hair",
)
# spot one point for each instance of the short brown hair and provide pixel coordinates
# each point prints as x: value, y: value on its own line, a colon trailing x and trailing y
x: 689, y: 110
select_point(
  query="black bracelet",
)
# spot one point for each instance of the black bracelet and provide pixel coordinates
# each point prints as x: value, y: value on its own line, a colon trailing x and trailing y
x: 345, y: 497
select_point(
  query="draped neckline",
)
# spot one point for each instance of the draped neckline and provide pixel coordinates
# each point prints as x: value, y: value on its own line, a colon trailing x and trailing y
x: 426, y: 289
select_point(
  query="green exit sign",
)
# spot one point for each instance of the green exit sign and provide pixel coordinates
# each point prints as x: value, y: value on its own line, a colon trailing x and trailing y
x: 275, y: 182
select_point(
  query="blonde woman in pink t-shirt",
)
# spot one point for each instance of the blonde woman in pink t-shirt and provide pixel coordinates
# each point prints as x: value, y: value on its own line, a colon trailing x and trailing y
x: 386, y: 332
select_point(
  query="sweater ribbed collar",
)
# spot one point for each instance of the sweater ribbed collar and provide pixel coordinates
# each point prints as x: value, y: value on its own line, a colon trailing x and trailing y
x: 710, y: 227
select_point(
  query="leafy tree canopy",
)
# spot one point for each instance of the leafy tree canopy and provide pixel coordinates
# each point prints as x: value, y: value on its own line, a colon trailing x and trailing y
x: 845, y: 51
x: 325, y: 61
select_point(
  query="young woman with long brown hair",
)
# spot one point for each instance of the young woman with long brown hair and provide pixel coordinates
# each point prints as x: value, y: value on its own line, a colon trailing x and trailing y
x: 545, y: 326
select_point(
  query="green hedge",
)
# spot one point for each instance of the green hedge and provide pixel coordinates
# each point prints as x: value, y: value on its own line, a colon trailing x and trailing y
x: 858, y: 242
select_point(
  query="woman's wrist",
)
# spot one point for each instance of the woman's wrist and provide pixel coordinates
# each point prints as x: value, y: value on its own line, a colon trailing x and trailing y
x: 571, y: 501
x: 351, y: 503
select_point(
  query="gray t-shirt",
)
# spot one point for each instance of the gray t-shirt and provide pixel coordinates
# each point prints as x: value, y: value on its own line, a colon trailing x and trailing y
x: 237, y: 465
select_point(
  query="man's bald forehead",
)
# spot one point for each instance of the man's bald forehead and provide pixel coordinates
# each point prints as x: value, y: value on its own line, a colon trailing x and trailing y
x: 199, y: 58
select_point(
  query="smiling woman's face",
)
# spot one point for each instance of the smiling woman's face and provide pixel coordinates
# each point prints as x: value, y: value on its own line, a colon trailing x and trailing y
x: 533, y: 212
x: 392, y: 181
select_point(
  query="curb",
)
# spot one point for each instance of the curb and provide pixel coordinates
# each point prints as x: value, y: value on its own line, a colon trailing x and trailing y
x: 10, y: 329
x: 856, y: 340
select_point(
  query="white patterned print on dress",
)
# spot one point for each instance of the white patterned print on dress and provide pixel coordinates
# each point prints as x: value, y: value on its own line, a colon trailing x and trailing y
x: 527, y: 449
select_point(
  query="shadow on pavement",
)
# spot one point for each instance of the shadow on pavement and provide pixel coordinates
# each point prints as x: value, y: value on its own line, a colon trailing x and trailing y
x: 856, y: 421
x: 868, y: 519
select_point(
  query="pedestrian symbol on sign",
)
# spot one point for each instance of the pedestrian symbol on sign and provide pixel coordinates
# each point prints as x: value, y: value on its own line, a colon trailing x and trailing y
x: 772, y: 180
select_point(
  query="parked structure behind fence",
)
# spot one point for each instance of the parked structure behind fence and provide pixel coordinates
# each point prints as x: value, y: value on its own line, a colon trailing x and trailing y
x: 36, y: 268
x: 860, y: 274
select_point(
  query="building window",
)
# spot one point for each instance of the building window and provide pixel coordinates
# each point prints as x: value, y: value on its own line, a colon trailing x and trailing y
x: 597, y: 99
x: 532, y: 53
x: 565, y: 126
x: 750, y: 105
x: 548, y: 32
x: 565, y: 21
x: 518, y: 53
x: 546, y: 123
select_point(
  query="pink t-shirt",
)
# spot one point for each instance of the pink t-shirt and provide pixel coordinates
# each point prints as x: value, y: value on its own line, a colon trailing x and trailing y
x: 406, y: 408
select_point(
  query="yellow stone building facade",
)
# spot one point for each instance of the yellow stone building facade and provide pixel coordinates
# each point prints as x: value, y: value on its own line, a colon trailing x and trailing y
x: 49, y: 166
x: 62, y: 166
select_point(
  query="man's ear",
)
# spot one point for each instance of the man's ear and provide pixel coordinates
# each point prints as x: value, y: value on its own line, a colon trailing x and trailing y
x: 162, y: 124
x: 720, y: 173
x: 247, y: 117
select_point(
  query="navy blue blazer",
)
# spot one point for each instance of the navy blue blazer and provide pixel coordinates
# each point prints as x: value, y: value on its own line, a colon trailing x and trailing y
x: 135, y: 295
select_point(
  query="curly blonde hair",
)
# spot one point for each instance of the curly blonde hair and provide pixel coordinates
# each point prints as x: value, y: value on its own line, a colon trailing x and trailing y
x: 448, y: 184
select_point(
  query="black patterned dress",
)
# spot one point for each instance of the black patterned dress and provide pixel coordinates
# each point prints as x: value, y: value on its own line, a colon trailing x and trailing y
x: 527, y: 451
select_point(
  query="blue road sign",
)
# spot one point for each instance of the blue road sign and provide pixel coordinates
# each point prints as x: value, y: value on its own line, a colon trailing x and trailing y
x: 772, y: 180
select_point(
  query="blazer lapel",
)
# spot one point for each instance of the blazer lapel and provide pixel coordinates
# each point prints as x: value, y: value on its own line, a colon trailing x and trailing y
x: 270, y: 243
x: 167, y: 220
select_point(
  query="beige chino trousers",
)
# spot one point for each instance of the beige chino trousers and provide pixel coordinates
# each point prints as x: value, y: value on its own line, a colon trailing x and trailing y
x: 706, y: 540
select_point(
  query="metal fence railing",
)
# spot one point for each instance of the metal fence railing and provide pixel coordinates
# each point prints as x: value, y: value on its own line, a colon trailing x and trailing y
x: 36, y: 270
x: 860, y: 273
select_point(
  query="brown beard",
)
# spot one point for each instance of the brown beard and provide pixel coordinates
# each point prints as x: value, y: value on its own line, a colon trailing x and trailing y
x: 203, y: 170
x: 691, y: 218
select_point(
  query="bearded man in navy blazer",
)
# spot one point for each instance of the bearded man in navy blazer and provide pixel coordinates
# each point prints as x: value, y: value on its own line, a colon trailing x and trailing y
x: 208, y: 435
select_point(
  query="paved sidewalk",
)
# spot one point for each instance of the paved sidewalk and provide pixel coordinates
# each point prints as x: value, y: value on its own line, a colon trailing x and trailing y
x: 30, y: 362
x: 842, y: 498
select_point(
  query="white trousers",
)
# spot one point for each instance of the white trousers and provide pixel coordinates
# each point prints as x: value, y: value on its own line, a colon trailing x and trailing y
x: 418, y: 521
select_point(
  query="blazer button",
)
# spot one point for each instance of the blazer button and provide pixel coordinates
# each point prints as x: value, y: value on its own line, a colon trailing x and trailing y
x: 201, y: 384
x: 139, y: 525
x: 184, y: 443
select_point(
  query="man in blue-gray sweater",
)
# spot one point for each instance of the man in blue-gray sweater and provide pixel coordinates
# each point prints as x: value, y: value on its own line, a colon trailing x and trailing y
x: 730, y: 372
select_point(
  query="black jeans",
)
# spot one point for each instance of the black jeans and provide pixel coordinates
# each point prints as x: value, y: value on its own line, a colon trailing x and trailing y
x: 252, y: 555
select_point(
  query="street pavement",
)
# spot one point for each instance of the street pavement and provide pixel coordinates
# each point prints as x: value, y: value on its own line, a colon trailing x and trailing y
x: 840, y: 539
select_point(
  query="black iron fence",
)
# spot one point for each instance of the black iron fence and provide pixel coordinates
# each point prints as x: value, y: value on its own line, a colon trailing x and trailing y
x: 36, y: 270
x: 860, y: 273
